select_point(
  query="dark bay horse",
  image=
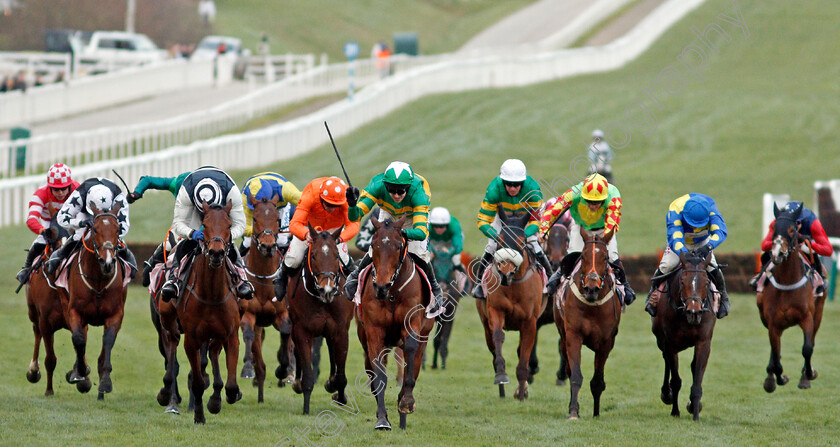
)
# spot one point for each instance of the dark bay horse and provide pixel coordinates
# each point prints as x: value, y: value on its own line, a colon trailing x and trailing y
x: 392, y: 314
x: 208, y: 314
x: 262, y: 266
x: 788, y: 300
x: 317, y: 308
x: 47, y: 305
x: 589, y: 316
x: 514, y: 302
x: 555, y: 246
x: 448, y: 280
x: 684, y: 319
x: 96, y: 297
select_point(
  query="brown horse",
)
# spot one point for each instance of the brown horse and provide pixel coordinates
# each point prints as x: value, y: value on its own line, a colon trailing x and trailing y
x: 684, y: 320
x: 47, y: 305
x: 555, y: 246
x: 391, y: 314
x: 207, y: 315
x: 262, y: 266
x: 317, y: 307
x: 589, y: 316
x: 96, y: 297
x: 514, y: 302
x: 788, y: 300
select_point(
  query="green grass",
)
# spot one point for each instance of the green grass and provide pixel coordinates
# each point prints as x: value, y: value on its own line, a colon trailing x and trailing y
x: 765, y: 120
x: 323, y: 26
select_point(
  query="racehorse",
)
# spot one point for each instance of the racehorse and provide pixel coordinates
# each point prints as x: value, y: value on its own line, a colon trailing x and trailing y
x: 450, y: 286
x: 391, y: 314
x: 207, y: 315
x: 262, y: 266
x: 588, y: 315
x: 317, y: 307
x: 47, y: 305
x: 97, y: 291
x: 788, y: 299
x: 555, y: 247
x: 514, y: 301
x: 683, y: 320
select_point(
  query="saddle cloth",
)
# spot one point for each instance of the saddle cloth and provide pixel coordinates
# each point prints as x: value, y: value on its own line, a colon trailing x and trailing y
x: 363, y: 282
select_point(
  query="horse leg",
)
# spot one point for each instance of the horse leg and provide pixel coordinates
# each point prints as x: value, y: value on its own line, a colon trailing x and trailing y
x: 672, y: 359
x: 284, y: 372
x: 168, y: 395
x: 231, y: 345
x: 259, y: 379
x: 527, y: 340
x: 375, y: 347
x: 497, y: 322
x: 808, y: 372
x: 337, y: 344
x: 563, y: 370
x: 597, y: 384
x: 109, y: 337
x: 698, y: 369
x: 247, y: 325
x: 533, y: 361
x: 665, y: 394
x: 192, y: 348
x: 436, y: 342
x: 414, y: 350
x: 774, y: 367
x: 303, y: 356
x: 78, y: 375
x: 214, y: 403
x: 33, y: 374
x: 573, y: 347
x: 49, y: 358
x: 317, y: 343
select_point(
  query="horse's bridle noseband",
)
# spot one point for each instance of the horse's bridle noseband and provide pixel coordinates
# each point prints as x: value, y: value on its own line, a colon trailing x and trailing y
x: 329, y: 276
x: 592, y: 273
x: 403, y: 255
x: 704, y: 303
x: 205, y: 247
x: 255, y: 239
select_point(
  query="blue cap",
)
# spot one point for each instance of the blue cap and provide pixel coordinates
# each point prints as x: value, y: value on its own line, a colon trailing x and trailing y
x: 696, y: 213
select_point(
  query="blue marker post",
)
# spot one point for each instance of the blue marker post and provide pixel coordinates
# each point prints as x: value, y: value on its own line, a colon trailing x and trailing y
x: 351, y: 50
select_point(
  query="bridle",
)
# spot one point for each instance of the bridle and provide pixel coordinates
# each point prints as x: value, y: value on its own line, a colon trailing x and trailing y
x: 205, y: 248
x: 332, y: 279
x: 791, y: 241
x: 704, y: 303
x: 592, y: 273
x: 108, y: 245
x: 403, y: 255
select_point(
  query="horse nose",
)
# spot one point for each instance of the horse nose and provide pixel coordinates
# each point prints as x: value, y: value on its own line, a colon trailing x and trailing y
x: 381, y: 291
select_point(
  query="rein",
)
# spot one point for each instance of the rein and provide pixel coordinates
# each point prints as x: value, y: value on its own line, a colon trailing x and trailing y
x: 330, y: 276
x: 705, y: 304
x: 397, y: 271
x: 85, y: 277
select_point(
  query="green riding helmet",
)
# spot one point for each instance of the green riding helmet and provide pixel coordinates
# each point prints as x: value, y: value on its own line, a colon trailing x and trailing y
x: 399, y: 173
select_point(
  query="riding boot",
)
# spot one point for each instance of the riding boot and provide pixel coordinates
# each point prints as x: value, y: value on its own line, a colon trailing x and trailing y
x: 243, y: 250
x: 282, y: 280
x: 543, y: 260
x: 629, y: 294
x: 245, y: 290
x: 478, y: 291
x: 717, y: 278
x: 652, y: 300
x: 353, y: 280
x: 126, y: 255
x: 60, y: 254
x: 818, y: 267
x: 554, y: 282
x: 149, y: 264
x: 348, y: 268
x: 34, y: 251
x: 437, y: 301
x: 170, y: 289
x: 765, y: 259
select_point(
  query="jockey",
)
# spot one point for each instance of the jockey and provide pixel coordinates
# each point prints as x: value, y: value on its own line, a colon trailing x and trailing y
x: 446, y: 228
x: 76, y: 216
x: 518, y: 193
x: 693, y: 224
x: 323, y: 205
x: 46, y: 200
x: 171, y: 184
x: 595, y: 205
x: 266, y: 185
x: 398, y: 192
x: 811, y: 229
x: 565, y: 219
x: 214, y: 186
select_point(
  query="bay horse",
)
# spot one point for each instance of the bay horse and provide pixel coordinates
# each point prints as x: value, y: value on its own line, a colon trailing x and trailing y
x: 317, y: 308
x: 47, y: 305
x: 555, y: 246
x: 207, y: 315
x: 788, y: 300
x: 262, y: 265
x: 445, y: 274
x: 588, y: 315
x: 97, y: 293
x: 391, y: 314
x: 684, y: 319
x: 514, y: 301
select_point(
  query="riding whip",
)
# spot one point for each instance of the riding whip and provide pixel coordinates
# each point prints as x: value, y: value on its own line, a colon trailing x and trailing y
x: 337, y: 155
x: 123, y: 181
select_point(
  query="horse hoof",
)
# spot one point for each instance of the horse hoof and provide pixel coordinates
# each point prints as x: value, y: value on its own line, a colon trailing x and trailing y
x: 573, y: 417
x: 530, y: 379
x: 689, y: 409
x: 297, y: 387
x: 48, y: 393
x: 667, y: 398
x: 769, y: 385
x: 281, y: 383
x: 337, y: 398
x: 33, y: 376
x: 782, y: 380
x: 812, y: 376
x: 804, y: 383
x: 105, y: 385
x: 501, y: 379
x: 163, y: 397
x: 434, y: 366
x: 560, y: 382
x: 172, y: 409
x: 199, y: 421
x: 290, y: 378
x: 520, y: 395
x: 233, y: 396
x: 100, y: 396
x: 328, y: 385
x: 382, y: 424
x: 407, y: 405
x: 84, y: 386
x: 214, y: 404
x: 247, y: 372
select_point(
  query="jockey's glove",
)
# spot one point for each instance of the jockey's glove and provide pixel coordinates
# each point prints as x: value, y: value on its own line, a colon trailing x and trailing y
x: 133, y: 196
x: 352, y: 195
x: 197, y: 235
x: 704, y: 251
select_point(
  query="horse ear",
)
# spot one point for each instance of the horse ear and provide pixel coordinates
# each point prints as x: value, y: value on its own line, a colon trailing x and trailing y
x: 252, y: 201
x: 797, y: 213
x: 775, y: 210
x: 205, y: 207
x: 275, y: 199
x: 683, y: 257
x: 708, y: 259
x: 584, y: 234
x: 401, y: 222
x: 229, y: 206
x: 608, y: 236
x: 502, y: 214
x: 312, y: 230
x: 116, y: 208
x: 96, y: 211
x: 335, y: 234
x: 375, y: 222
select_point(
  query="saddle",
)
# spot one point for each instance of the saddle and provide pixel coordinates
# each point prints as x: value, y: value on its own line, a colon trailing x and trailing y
x: 363, y: 275
x: 569, y: 266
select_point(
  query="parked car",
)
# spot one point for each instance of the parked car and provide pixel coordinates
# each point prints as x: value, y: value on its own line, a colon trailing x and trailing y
x: 223, y: 46
x: 116, y: 47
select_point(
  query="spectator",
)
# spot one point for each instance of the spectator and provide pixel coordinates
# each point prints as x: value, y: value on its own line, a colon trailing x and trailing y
x: 207, y: 11
x: 383, y: 60
x: 8, y: 84
x: 600, y: 156
x: 20, y: 81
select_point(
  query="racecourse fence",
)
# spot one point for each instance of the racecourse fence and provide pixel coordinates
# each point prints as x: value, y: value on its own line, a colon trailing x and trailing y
x: 290, y: 139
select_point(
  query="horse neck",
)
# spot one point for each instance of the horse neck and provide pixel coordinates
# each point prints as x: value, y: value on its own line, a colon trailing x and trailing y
x: 791, y: 268
x: 524, y: 267
x: 217, y: 285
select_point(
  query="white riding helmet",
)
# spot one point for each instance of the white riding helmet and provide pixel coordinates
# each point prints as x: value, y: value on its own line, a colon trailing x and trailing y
x: 598, y: 133
x: 99, y: 197
x: 439, y: 216
x: 513, y: 170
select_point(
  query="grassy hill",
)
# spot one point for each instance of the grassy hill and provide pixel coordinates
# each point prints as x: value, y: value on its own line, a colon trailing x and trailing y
x: 765, y: 119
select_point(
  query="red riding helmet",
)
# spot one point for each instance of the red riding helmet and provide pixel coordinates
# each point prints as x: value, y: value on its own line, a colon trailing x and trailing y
x: 59, y: 176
